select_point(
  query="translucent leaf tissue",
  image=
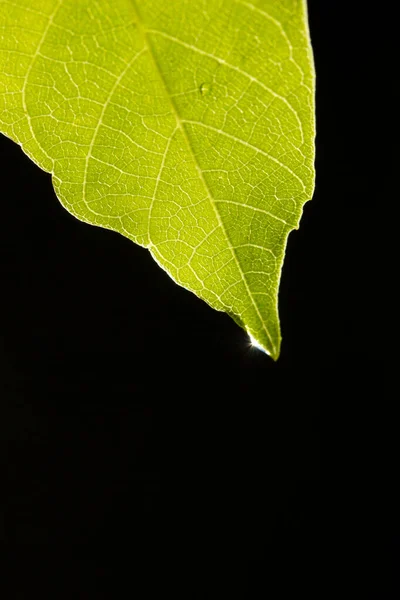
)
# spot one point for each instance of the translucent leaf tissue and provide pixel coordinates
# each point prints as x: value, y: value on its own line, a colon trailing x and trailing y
x: 187, y: 126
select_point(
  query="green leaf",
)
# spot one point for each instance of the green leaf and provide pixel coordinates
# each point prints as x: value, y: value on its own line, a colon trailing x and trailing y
x: 186, y: 126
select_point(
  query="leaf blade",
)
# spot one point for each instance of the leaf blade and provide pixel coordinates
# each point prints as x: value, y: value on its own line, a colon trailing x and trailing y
x: 176, y: 136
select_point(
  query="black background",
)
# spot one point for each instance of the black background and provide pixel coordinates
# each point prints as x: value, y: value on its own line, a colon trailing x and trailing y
x: 133, y: 413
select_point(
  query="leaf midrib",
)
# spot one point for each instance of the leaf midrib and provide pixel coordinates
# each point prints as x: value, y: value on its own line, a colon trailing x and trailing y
x: 181, y: 126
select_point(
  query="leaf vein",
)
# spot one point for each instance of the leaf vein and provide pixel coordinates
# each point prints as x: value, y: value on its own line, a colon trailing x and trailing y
x: 180, y: 124
x: 238, y: 70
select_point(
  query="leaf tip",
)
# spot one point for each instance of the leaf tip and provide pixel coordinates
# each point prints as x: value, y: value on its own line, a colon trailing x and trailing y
x: 271, y: 352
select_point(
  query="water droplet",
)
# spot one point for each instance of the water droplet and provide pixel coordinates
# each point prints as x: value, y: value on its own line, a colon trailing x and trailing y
x: 205, y: 89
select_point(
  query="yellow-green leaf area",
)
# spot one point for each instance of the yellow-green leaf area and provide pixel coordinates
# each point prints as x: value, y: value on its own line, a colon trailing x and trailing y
x: 187, y: 126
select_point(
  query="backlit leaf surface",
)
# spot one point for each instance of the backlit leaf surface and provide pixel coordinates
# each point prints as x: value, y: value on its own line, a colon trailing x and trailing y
x: 185, y: 125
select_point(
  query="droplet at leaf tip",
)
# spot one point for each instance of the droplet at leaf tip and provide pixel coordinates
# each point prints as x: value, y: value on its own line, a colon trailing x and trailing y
x: 271, y: 351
